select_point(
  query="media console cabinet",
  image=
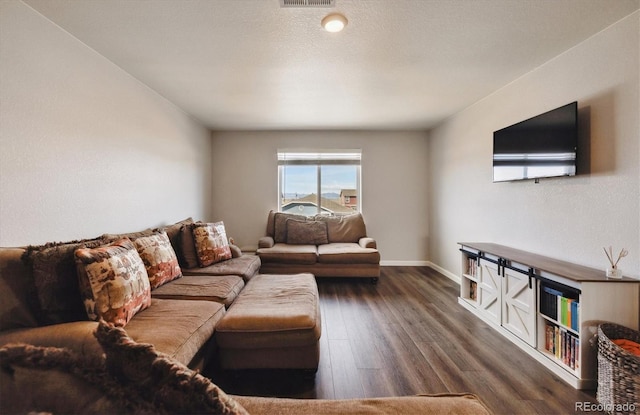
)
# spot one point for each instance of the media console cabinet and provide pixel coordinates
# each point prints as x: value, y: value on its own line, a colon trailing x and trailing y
x: 551, y: 309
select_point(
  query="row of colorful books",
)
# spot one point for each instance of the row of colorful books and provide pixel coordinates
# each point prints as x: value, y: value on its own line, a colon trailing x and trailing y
x: 564, y: 345
x: 560, y: 306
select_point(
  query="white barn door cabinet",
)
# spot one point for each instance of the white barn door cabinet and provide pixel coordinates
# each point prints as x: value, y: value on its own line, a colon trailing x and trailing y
x: 551, y: 309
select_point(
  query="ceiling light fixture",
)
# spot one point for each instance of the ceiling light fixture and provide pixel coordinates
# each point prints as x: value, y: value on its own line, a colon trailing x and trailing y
x: 334, y: 22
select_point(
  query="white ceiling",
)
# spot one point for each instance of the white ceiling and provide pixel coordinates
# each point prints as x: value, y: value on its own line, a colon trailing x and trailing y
x: 399, y: 64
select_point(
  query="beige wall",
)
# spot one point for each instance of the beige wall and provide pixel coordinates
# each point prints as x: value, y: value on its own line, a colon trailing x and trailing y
x: 394, y: 176
x: 567, y: 218
x: 85, y: 148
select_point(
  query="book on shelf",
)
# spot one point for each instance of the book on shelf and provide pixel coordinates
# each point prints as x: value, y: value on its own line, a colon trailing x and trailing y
x: 473, y: 290
x: 472, y: 266
x: 564, y: 345
x: 561, y: 306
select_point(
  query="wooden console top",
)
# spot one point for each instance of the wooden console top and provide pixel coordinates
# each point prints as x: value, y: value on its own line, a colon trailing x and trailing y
x: 578, y: 273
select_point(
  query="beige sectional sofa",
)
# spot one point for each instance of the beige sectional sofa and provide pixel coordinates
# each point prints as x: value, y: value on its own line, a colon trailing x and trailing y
x: 51, y: 360
x: 40, y: 300
x: 326, y: 246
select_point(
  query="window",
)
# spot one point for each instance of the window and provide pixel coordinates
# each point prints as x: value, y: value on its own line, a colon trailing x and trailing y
x: 319, y: 182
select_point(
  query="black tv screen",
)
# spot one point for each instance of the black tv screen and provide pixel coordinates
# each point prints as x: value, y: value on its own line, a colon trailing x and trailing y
x: 542, y: 146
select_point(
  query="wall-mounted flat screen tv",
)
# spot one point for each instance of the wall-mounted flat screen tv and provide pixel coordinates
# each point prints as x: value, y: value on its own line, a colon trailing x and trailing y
x: 542, y: 146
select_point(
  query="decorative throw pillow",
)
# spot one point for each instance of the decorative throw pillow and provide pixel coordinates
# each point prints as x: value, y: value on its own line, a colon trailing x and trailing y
x: 306, y: 233
x: 113, y: 281
x: 159, y: 259
x: 167, y: 383
x: 56, y: 280
x: 189, y: 256
x: 280, y: 225
x: 174, y: 234
x: 348, y: 228
x: 211, y: 243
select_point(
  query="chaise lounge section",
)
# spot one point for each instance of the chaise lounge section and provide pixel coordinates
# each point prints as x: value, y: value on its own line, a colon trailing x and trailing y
x: 274, y: 324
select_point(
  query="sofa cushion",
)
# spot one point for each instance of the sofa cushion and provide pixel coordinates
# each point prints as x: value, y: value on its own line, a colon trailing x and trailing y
x: 461, y: 404
x: 38, y: 384
x: 159, y: 258
x: 211, y: 243
x: 280, y: 225
x: 289, y: 254
x: 347, y: 253
x: 178, y: 328
x: 114, y: 282
x: 130, y: 378
x: 222, y: 289
x: 169, y: 385
x: 56, y: 280
x: 19, y: 304
x: 306, y: 232
x: 245, y: 266
x: 349, y: 228
x: 76, y: 336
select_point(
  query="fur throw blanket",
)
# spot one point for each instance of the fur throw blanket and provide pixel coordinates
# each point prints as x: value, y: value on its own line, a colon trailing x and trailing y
x: 133, y: 377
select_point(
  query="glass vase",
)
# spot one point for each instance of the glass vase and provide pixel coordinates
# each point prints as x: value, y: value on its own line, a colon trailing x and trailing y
x: 614, y: 272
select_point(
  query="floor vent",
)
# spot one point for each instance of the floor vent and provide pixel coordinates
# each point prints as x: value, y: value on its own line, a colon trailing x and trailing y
x: 307, y: 3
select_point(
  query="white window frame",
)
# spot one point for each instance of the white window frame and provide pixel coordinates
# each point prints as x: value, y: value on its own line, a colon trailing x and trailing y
x: 319, y: 158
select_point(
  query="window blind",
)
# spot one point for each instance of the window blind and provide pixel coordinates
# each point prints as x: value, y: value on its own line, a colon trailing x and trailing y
x: 329, y: 157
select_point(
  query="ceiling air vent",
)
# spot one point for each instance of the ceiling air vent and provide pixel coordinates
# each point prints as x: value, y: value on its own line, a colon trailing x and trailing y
x: 307, y: 3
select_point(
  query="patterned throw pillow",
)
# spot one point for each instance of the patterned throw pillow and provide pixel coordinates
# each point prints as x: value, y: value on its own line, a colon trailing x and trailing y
x: 211, y: 243
x: 175, y: 236
x: 113, y: 281
x: 159, y: 259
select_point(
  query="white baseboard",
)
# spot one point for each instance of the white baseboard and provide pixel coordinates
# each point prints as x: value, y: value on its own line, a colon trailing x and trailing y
x: 453, y: 277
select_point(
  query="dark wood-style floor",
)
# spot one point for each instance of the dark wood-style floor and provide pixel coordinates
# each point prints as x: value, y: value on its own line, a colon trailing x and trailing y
x: 408, y: 335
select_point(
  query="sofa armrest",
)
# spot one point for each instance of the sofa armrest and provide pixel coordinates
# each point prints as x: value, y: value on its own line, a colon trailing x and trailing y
x: 266, y: 242
x: 235, y: 251
x: 368, y: 243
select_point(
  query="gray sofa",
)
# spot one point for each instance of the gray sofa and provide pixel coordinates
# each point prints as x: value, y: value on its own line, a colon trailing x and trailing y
x: 326, y: 246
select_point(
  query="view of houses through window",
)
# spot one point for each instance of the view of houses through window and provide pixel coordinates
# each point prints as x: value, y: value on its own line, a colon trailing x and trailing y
x: 319, y: 182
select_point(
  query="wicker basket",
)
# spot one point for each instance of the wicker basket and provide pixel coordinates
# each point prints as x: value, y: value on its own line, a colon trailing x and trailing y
x: 618, y: 370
